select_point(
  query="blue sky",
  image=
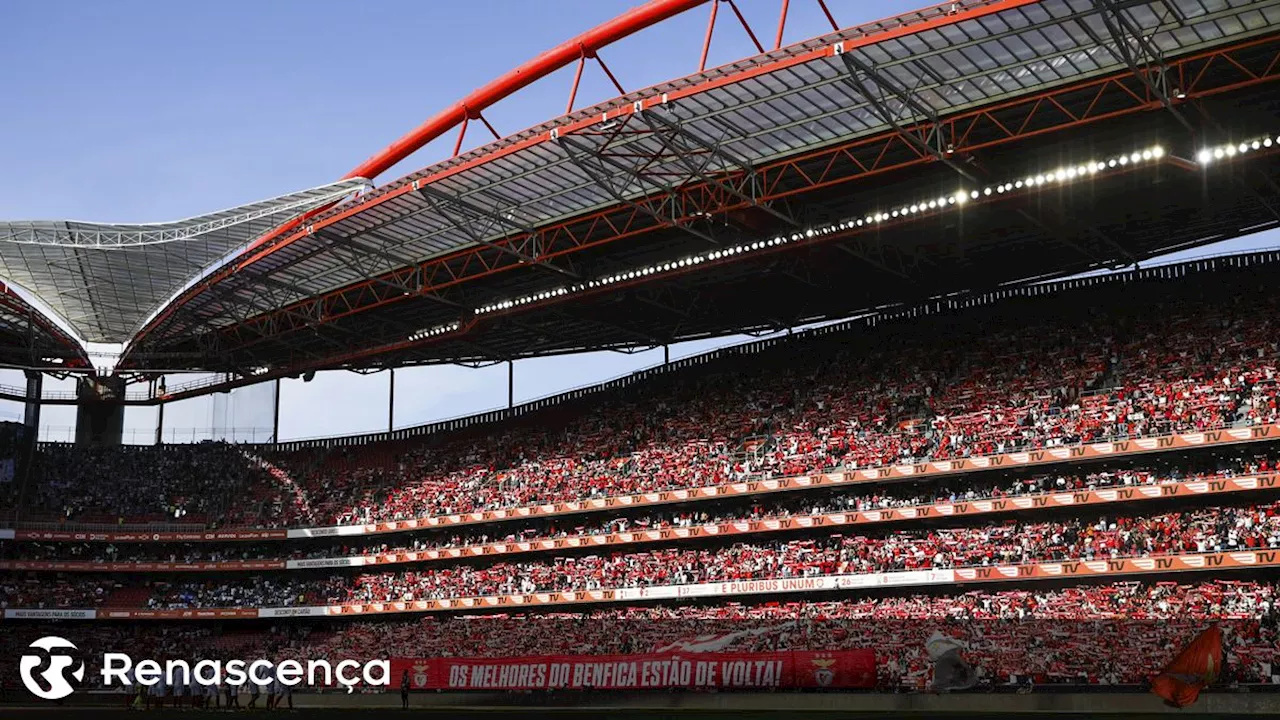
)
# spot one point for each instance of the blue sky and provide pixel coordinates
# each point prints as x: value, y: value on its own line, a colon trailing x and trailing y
x: 148, y: 110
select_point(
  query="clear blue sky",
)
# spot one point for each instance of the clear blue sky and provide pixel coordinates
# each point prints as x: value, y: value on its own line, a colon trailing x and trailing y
x: 148, y: 110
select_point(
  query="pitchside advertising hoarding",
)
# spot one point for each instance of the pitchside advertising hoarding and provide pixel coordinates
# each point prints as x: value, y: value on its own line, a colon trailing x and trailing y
x: 711, y: 670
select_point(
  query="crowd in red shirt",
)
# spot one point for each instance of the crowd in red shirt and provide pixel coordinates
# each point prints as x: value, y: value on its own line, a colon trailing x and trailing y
x: 1213, y: 529
x: 772, y: 507
x: 1118, y: 633
x: 1053, y: 372
x: 980, y: 383
x: 829, y: 406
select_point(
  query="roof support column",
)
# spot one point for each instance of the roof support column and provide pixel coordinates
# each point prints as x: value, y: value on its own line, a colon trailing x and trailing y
x: 31, y: 410
x: 275, y: 416
x: 391, y: 401
x: 159, y: 421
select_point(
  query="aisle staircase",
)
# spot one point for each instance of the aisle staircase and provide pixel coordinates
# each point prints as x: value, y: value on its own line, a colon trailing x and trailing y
x: 283, y: 479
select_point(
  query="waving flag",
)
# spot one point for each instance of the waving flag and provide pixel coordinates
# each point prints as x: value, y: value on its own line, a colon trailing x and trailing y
x: 1195, y: 667
x: 720, y: 641
x: 950, y: 670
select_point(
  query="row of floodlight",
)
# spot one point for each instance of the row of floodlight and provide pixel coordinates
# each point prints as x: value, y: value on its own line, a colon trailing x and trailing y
x: 1229, y: 150
x: 1061, y: 175
x: 425, y: 333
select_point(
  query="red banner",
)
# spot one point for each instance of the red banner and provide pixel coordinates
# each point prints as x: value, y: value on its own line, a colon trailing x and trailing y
x: 798, y: 669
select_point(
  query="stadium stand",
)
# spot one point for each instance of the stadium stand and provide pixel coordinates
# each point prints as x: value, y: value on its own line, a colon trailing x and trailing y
x: 1031, y: 373
x: 934, y: 388
x: 1110, y: 634
x: 111, y: 484
x: 808, y: 504
x: 1205, y: 530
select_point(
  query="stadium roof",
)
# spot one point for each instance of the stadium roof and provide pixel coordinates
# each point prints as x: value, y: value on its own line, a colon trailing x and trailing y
x: 102, y: 281
x: 500, y: 252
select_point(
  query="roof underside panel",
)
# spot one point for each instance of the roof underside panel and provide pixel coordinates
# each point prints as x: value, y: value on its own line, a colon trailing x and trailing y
x: 103, y: 280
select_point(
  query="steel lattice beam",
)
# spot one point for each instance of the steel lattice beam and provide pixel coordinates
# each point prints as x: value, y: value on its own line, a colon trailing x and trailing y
x: 860, y: 73
x: 1141, y: 64
x: 736, y: 177
x: 1148, y: 64
x: 595, y: 163
x: 442, y: 200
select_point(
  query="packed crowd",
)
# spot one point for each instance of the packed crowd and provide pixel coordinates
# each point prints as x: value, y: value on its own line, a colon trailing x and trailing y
x: 936, y: 389
x: 198, y: 484
x: 1106, y: 634
x: 1118, y: 633
x: 777, y: 507
x: 1036, y: 373
x: 1201, y: 530
x: 1206, y: 530
x: 829, y: 405
x: 1040, y: 373
x: 72, y: 592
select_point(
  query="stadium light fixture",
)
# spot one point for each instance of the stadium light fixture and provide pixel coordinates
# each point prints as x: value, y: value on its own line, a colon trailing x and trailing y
x: 1228, y: 150
x: 425, y: 333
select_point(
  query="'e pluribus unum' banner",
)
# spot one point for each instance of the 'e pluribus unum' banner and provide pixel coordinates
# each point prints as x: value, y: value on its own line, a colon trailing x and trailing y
x: 798, y: 669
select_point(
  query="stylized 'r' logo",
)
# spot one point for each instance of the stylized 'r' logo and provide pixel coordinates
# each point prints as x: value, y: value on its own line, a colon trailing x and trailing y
x: 55, y: 685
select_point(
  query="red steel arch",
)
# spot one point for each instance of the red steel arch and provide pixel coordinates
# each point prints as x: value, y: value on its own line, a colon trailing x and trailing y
x: 579, y: 48
x: 470, y: 107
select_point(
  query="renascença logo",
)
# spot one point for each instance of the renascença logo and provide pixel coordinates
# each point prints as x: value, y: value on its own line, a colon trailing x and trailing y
x: 54, y: 676
x: 119, y: 670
